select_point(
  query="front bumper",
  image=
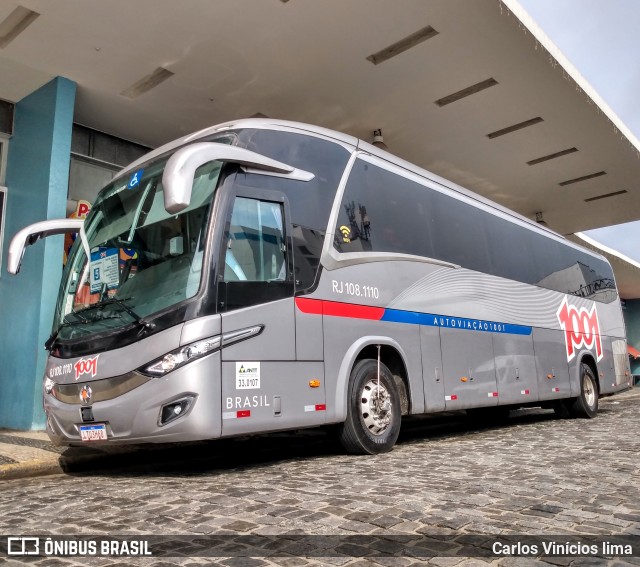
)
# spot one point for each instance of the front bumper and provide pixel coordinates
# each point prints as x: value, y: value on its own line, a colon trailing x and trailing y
x: 134, y: 416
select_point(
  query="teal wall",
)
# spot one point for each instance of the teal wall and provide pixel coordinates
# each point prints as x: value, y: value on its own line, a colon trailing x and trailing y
x: 632, y: 321
x: 37, y: 179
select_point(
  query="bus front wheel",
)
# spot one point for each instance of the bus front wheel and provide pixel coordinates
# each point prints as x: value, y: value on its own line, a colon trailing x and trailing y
x: 373, y: 412
x: 586, y: 404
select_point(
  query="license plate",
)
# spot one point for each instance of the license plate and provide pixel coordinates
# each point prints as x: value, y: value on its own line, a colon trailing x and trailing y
x: 97, y: 432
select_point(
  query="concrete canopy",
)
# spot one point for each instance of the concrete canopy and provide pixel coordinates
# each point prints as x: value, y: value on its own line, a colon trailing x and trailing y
x: 475, y: 93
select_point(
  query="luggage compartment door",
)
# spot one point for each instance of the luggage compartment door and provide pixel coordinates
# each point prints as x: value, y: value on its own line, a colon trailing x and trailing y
x: 468, y: 368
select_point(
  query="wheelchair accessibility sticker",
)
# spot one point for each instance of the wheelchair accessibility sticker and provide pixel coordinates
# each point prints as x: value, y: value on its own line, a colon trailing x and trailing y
x: 135, y: 179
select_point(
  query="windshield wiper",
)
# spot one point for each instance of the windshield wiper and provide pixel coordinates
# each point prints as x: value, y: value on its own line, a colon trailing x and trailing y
x: 110, y: 301
x: 82, y: 320
x: 121, y: 302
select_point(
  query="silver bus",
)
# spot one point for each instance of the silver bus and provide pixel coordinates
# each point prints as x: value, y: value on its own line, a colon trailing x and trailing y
x: 264, y: 275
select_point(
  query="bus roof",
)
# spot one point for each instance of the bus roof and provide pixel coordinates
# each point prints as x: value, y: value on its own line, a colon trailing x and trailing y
x: 354, y: 144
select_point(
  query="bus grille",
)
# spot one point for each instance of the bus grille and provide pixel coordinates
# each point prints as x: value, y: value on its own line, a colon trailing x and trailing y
x: 101, y: 390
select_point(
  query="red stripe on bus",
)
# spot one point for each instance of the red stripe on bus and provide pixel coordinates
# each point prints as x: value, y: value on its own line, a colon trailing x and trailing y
x: 311, y: 306
x: 336, y: 309
x: 353, y: 311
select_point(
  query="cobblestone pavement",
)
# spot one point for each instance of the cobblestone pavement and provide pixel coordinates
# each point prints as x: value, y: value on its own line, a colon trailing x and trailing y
x: 535, y: 475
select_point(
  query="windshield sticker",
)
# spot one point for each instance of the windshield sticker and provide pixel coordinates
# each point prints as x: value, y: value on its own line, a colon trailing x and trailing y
x: 105, y: 269
x: 247, y: 375
x: 134, y: 180
x: 86, y: 366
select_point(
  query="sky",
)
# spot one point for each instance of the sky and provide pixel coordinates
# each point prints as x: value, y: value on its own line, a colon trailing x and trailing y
x: 602, y: 40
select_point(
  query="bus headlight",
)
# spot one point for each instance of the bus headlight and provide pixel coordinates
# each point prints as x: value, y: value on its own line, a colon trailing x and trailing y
x: 181, y: 356
x: 49, y: 384
x: 185, y: 354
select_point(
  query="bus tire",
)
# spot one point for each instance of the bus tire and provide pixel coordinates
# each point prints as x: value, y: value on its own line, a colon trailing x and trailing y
x: 373, y: 415
x: 586, y: 404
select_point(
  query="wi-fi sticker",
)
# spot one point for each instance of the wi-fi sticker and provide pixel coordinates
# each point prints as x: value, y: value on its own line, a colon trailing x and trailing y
x: 346, y: 233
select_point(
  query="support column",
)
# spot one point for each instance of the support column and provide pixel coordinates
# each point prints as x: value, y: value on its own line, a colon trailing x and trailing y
x: 37, y: 181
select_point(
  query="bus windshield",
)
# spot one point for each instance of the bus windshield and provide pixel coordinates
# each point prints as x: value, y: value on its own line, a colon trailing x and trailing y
x: 142, y: 260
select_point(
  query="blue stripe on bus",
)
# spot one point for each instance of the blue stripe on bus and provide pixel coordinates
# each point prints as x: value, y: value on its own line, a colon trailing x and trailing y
x: 432, y: 320
x: 355, y: 311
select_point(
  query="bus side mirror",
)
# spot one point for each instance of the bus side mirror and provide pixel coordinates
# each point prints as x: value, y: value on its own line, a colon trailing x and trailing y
x: 180, y: 170
x: 34, y: 232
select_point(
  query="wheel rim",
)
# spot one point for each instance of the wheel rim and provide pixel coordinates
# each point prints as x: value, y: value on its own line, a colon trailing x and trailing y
x: 589, y: 390
x: 376, y: 408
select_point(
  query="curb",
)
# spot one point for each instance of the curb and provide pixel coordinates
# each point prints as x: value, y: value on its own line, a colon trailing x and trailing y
x: 29, y: 469
x: 61, y: 465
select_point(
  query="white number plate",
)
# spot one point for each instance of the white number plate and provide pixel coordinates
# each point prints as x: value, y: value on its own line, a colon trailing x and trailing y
x: 97, y: 432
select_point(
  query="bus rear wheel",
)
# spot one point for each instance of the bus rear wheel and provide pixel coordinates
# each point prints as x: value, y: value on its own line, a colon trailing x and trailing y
x: 373, y: 412
x: 586, y: 404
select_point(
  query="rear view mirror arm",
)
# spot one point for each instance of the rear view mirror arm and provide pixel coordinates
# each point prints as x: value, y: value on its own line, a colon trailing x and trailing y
x: 34, y: 232
x: 179, y: 172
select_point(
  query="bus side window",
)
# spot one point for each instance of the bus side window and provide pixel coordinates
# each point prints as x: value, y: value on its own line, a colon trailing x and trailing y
x: 382, y: 211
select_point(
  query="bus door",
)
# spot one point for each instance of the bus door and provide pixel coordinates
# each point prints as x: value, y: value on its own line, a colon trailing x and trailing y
x: 263, y: 388
x: 468, y: 367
